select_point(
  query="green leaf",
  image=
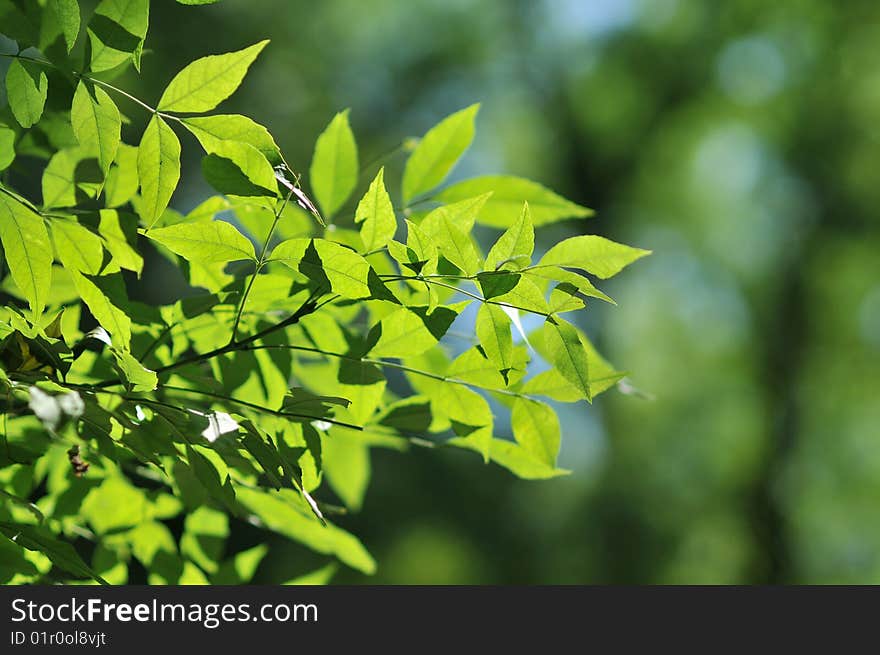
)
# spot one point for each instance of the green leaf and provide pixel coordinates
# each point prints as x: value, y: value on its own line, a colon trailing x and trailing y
x: 579, y: 282
x: 158, y: 168
x: 509, y: 195
x: 66, y: 14
x: 376, y: 215
x: 107, y: 312
x: 536, y: 429
x: 96, y: 123
x: 403, y: 333
x: 114, y: 505
x: 239, y: 169
x: 468, y: 412
x: 321, y: 576
x: 28, y: 250
x: 26, y: 89
x: 329, y: 264
x: 334, y: 170
x: 437, y: 153
x: 567, y: 354
x: 70, y: 174
x: 593, y: 254
x: 119, y: 232
x: 211, y: 130
x: 204, y: 535
x: 493, y: 331
x: 514, y: 458
x: 116, y: 32
x: 78, y: 248
x: 138, y: 377
x: 38, y: 539
x: 461, y: 214
x: 346, y: 463
x: 7, y: 145
x: 275, y: 510
x: 206, y: 82
x: 121, y: 182
x: 205, y: 241
x: 514, y: 248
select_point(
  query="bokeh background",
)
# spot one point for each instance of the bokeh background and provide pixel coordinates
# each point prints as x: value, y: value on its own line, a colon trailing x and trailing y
x: 738, y: 140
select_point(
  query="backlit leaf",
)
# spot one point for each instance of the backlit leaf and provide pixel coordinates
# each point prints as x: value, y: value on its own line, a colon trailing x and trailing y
x: 158, y: 168
x: 206, y: 82
x: 334, y: 170
x: 437, y: 153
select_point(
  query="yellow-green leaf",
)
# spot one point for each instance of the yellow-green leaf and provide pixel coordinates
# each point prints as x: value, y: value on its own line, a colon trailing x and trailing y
x: 158, y: 168
x: 26, y: 89
x: 96, y: 123
x: 493, y: 331
x: 437, y: 152
x: 210, y: 130
x: 334, y: 170
x: 514, y: 248
x: 509, y: 194
x: 536, y: 428
x: 205, y: 241
x: 206, y: 82
x: 28, y: 250
x: 66, y: 14
x: 329, y: 264
x: 593, y: 254
x: 116, y: 32
x: 567, y: 354
x: 376, y: 215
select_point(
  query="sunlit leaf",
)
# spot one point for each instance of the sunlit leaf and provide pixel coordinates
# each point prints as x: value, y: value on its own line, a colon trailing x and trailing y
x: 437, y: 153
x: 206, y: 82
x: 334, y: 170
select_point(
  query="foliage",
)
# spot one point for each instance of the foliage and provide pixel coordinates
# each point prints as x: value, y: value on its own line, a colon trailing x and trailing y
x: 310, y: 332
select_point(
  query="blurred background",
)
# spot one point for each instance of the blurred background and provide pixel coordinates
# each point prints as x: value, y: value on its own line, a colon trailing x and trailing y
x: 738, y: 140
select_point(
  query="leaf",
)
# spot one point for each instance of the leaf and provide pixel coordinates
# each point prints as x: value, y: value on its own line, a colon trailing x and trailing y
x: 567, y: 354
x: 66, y: 14
x: 493, y: 331
x: 116, y: 32
x: 96, y: 123
x: 205, y: 241
x: 206, y: 82
x: 334, y: 170
x: 509, y: 194
x: 468, y: 412
x: 514, y: 458
x: 536, y: 428
x: 38, y: 539
x: 28, y: 250
x: 579, y: 282
x: 78, y: 248
x: 119, y: 232
x: 26, y: 89
x: 593, y: 254
x: 239, y: 169
x: 139, y: 378
x: 376, y: 215
x: 115, y: 505
x: 514, y: 248
x: 211, y: 130
x: 108, y: 313
x: 404, y: 333
x: 7, y: 145
x: 329, y: 264
x: 121, y: 182
x: 70, y: 174
x: 461, y: 214
x: 158, y: 168
x: 437, y: 153
x: 276, y: 511
x: 346, y: 463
